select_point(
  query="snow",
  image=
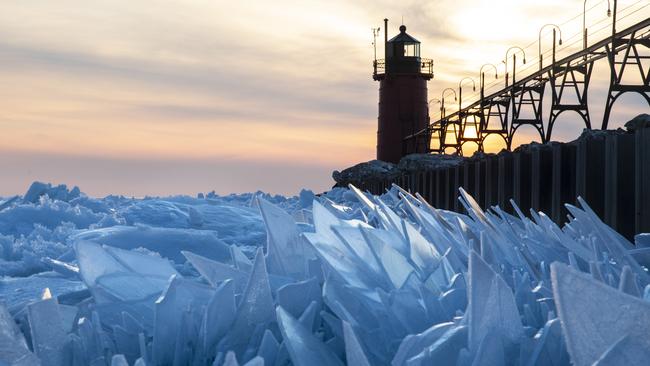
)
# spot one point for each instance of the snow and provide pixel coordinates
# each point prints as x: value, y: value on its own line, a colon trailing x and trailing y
x: 332, y: 279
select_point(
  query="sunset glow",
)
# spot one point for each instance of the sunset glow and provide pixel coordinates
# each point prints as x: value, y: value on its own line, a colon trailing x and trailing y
x: 215, y: 83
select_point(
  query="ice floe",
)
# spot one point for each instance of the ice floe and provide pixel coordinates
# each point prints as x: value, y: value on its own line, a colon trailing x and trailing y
x: 340, y: 278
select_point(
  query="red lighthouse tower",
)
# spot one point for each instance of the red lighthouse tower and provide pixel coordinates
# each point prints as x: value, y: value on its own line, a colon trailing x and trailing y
x: 403, y: 103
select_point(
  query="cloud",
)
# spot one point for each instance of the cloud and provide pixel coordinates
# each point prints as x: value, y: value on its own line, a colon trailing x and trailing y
x: 282, y: 82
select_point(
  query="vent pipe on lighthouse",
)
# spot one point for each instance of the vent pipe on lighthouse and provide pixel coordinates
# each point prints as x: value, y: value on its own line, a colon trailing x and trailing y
x: 385, y: 38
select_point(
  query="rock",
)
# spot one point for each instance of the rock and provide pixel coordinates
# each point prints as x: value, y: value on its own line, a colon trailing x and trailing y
x: 422, y: 162
x: 588, y: 134
x: 529, y: 147
x: 377, y: 170
x: 594, y: 134
x: 638, y: 122
x: 371, y: 170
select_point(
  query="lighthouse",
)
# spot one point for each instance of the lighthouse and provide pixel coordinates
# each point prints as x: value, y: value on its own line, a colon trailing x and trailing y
x: 403, y: 104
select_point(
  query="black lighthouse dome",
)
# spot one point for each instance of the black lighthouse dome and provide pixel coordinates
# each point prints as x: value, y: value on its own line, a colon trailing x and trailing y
x: 403, y: 53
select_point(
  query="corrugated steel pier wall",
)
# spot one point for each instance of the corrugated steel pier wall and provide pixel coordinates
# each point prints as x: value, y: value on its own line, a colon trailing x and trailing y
x: 611, y: 171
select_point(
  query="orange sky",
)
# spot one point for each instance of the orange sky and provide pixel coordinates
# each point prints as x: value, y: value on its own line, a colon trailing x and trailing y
x: 171, y: 96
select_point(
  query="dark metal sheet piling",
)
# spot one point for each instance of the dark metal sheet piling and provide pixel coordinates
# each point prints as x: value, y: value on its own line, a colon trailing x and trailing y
x: 459, y: 174
x: 491, y: 182
x: 590, y: 173
x: 642, y: 180
x: 479, y: 181
x: 563, y: 180
x: 542, y: 179
x: 505, y: 181
x: 468, y: 180
x: 521, y: 184
x: 619, y: 184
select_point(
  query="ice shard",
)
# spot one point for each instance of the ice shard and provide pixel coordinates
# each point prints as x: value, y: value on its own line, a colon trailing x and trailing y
x: 94, y: 262
x: 353, y: 350
x: 393, y: 263
x: 414, y: 344
x: 13, y: 347
x: 47, y: 331
x: 268, y: 348
x: 491, y: 351
x: 218, y: 316
x: 181, y: 295
x: 168, y: 242
x: 144, y: 265
x: 256, y: 307
x: 231, y: 359
x: 422, y: 253
x: 125, y: 275
x: 445, y: 350
x: 492, y: 306
x: 549, y: 347
x: 287, y: 254
x: 303, y: 346
x: 119, y: 360
x: 596, y: 317
x: 628, y: 282
x: 628, y: 351
x: 216, y: 272
x: 296, y: 297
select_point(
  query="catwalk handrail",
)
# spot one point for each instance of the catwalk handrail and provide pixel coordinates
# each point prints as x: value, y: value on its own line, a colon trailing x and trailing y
x: 426, y: 66
x: 580, y: 55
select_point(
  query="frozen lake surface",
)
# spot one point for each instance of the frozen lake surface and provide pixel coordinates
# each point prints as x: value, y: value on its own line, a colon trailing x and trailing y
x: 340, y: 278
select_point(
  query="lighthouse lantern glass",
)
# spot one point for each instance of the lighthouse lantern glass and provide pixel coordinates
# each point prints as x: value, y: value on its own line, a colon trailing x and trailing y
x: 411, y: 50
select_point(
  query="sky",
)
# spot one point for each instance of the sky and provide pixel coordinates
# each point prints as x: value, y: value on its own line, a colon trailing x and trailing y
x: 162, y: 97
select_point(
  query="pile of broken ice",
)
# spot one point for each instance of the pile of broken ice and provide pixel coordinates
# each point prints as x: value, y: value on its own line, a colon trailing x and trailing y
x: 351, y: 279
